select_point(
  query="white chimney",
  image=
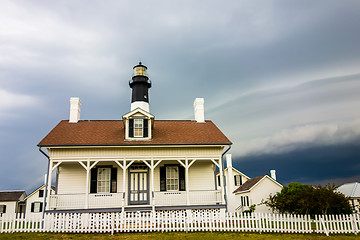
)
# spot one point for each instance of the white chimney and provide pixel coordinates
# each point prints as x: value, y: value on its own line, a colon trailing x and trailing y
x: 75, y: 107
x: 273, y: 174
x: 230, y: 181
x: 199, y: 110
x: 228, y: 161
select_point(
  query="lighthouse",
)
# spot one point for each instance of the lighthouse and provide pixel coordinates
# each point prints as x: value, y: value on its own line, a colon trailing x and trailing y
x: 140, y: 85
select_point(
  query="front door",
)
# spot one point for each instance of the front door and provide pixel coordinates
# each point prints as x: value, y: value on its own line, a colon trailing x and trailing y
x: 138, y: 187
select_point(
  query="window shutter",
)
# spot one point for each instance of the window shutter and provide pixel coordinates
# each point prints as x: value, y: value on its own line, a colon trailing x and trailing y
x: 162, y: 178
x: 93, y: 183
x: 240, y: 178
x: 4, y: 211
x: 32, y: 207
x: 235, y: 178
x: 146, y: 128
x: 113, y: 186
x: 41, y: 207
x: 41, y: 193
x: 181, y: 178
x: 131, y: 127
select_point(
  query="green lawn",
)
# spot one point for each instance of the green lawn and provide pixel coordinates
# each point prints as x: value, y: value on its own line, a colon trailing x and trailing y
x: 173, y: 235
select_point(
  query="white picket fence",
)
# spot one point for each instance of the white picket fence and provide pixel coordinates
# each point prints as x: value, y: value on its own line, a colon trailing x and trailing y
x: 180, y: 221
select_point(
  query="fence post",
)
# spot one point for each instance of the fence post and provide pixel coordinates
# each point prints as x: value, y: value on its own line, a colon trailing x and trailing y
x: 186, y: 220
x: 112, y: 223
x: 323, y: 224
x: 353, y: 223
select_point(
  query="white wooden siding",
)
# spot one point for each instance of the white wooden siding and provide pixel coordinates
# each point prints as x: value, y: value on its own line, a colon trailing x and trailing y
x: 35, y: 198
x: 260, y: 192
x: 10, y: 207
x: 201, y: 176
x: 243, y: 178
x: 135, y: 151
x: 72, y: 178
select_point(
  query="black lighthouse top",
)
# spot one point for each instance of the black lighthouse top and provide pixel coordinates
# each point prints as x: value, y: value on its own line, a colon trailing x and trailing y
x: 140, y: 84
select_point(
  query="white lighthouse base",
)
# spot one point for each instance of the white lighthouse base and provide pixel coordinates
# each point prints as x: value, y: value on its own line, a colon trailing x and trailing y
x: 143, y: 105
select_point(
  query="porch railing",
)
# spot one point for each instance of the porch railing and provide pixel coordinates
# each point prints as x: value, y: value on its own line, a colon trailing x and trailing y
x: 203, y: 197
x: 78, y: 201
x: 115, y: 200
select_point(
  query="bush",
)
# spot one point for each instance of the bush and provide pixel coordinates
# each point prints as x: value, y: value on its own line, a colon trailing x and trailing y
x: 299, y: 198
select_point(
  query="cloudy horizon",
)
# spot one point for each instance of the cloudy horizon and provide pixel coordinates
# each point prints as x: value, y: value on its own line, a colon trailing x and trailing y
x: 280, y: 79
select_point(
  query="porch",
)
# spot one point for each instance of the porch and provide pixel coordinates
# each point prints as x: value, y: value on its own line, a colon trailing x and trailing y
x: 139, y: 187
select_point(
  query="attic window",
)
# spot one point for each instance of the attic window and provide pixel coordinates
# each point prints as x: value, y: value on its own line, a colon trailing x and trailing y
x: 237, y: 180
x: 138, y: 127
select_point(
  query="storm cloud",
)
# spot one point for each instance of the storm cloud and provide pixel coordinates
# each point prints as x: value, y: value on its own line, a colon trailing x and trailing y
x: 277, y: 77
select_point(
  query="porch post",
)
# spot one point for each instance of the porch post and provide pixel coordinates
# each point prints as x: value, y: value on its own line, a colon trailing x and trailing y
x: 187, y: 181
x: 49, y: 185
x: 124, y: 185
x: 221, y: 181
x: 152, y: 200
x: 87, y: 185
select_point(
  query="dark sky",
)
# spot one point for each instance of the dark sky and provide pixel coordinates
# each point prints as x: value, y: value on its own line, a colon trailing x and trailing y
x: 280, y: 78
x: 318, y: 165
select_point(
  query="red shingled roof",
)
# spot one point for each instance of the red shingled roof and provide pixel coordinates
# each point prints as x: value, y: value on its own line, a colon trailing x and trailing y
x: 102, y: 132
x: 249, y: 184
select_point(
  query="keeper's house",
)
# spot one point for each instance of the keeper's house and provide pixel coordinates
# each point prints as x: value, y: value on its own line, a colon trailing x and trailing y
x: 137, y: 163
x: 12, y: 202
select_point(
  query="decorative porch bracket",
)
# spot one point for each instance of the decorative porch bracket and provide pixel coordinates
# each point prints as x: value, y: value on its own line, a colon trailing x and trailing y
x: 88, y: 167
x: 219, y: 165
x: 187, y: 165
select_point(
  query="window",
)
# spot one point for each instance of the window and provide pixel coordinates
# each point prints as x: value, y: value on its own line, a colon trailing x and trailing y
x: 172, y: 178
x: 245, y: 201
x: 237, y: 180
x: 103, y: 180
x: 103, y: 183
x: 36, y: 207
x: 41, y: 193
x: 2, y: 208
x: 138, y: 127
x: 218, y: 180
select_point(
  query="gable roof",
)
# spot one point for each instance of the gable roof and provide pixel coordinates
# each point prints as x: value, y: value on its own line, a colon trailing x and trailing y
x: 112, y: 133
x: 251, y: 183
x: 11, y: 195
x: 138, y: 110
x: 351, y: 190
x: 36, y: 190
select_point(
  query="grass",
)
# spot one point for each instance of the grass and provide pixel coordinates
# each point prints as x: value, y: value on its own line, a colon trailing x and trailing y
x: 174, y: 235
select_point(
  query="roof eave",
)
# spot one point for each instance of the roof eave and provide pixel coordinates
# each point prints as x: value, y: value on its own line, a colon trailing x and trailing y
x: 124, y: 145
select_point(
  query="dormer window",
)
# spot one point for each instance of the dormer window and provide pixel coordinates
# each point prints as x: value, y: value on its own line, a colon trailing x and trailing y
x: 138, y: 127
